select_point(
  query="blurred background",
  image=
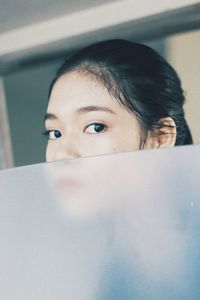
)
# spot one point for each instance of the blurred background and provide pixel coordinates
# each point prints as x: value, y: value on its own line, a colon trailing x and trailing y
x: 36, y: 36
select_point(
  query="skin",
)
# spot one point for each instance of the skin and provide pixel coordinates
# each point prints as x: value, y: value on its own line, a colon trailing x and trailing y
x: 83, y: 119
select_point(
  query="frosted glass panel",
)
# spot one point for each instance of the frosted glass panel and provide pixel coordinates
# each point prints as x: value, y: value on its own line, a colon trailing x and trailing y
x: 113, y: 227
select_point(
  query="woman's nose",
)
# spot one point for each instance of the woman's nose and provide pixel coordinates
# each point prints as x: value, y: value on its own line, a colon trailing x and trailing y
x: 65, y: 152
x: 67, y: 147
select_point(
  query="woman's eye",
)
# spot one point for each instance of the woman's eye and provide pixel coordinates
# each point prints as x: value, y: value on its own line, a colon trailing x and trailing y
x: 54, y: 134
x: 95, y: 128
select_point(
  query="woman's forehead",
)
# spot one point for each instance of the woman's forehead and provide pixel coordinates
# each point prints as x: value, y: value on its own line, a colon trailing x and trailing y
x: 74, y: 89
x: 74, y: 83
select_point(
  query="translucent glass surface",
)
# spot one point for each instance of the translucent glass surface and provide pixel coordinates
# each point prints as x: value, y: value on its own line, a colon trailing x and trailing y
x: 113, y: 227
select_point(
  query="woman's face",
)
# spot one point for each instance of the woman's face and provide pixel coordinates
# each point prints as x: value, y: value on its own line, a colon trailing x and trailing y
x: 83, y: 119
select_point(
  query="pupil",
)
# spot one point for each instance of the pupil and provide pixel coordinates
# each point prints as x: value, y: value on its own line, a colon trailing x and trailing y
x: 57, y: 134
x: 98, y: 127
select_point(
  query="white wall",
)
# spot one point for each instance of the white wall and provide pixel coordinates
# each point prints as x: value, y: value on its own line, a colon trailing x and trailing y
x: 184, y: 55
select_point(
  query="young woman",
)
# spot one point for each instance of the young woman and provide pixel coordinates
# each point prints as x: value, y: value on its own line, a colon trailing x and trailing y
x: 114, y: 96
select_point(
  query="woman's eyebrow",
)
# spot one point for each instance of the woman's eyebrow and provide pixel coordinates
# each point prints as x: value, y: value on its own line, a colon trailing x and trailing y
x: 90, y: 108
x: 50, y: 116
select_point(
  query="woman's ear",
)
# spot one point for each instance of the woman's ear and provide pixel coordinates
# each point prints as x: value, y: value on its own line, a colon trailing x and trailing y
x: 162, y: 137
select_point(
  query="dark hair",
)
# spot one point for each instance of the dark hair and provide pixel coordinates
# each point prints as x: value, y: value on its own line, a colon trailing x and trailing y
x: 138, y: 78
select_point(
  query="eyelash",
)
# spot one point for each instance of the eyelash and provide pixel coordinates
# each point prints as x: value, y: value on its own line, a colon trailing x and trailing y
x: 46, y: 133
x: 93, y: 124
